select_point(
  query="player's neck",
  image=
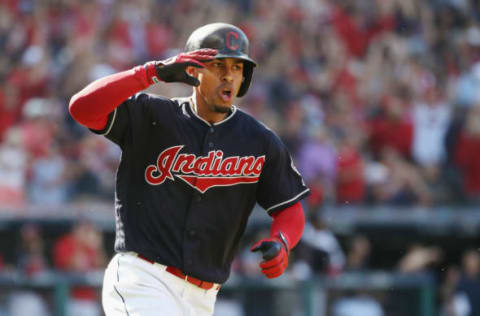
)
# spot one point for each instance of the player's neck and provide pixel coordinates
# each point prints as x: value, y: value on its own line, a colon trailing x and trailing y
x: 205, y: 110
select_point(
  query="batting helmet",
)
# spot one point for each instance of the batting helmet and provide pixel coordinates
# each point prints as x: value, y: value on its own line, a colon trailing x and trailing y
x: 230, y: 42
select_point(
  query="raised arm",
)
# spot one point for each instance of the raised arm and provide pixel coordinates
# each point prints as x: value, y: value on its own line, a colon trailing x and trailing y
x: 92, y: 105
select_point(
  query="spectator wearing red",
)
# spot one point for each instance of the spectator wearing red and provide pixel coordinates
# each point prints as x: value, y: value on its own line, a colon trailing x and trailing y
x: 158, y: 38
x: 393, y: 127
x: 8, y: 116
x: 356, y: 31
x: 30, y: 77
x: 79, y: 252
x: 467, y: 154
x: 351, y: 185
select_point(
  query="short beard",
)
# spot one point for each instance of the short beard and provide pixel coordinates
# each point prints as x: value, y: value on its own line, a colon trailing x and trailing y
x: 221, y: 109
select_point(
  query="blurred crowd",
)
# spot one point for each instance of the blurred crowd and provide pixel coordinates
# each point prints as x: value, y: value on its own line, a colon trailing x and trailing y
x: 376, y: 99
x: 77, y: 253
x: 80, y: 252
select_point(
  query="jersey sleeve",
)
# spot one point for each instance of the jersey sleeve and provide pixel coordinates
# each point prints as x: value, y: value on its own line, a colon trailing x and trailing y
x: 280, y: 185
x: 131, y: 113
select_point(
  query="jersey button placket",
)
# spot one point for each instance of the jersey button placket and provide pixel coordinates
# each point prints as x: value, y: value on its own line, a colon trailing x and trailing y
x: 189, y: 247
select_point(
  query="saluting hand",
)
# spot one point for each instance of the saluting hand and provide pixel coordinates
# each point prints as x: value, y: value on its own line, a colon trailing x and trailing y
x: 174, y: 68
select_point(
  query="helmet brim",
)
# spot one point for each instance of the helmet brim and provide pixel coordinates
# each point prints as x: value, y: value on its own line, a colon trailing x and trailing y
x: 238, y: 56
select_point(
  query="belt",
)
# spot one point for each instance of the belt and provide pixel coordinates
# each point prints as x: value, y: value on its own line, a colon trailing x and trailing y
x: 178, y: 273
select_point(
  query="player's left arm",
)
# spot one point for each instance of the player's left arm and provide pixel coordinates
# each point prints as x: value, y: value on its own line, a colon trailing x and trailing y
x: 279, y: 192
x: 285, y: 232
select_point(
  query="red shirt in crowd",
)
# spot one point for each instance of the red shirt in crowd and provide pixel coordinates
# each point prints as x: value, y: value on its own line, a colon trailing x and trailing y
x: 8, y: 115
x: 350, y: 179
x: 467, y: 157
x: 71, y: 256
x: 397, y: 134
x: 358, y: 37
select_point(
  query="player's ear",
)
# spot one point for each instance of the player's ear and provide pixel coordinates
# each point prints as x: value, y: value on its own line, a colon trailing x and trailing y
x: 192, y: 71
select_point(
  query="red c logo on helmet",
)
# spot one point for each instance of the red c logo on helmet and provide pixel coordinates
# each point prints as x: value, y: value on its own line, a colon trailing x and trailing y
x: 229, y: 40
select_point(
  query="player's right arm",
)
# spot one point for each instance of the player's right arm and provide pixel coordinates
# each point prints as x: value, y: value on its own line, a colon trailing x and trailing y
x: 92, y: 105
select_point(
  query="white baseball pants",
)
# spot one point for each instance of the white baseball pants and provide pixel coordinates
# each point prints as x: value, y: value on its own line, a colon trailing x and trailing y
x: 135, y: 287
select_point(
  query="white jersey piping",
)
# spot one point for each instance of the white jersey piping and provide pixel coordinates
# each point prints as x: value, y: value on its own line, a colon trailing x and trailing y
x: 285, y: 202
x: 111, y: 123
x: 193, y: 107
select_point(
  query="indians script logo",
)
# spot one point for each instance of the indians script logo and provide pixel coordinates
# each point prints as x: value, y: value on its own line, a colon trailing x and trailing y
x: 203, y: 173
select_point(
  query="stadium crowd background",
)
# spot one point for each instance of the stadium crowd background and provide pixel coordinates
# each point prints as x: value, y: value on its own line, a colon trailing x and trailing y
x: 376, y: 99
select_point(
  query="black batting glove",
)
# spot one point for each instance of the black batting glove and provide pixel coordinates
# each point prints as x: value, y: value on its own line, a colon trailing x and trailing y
x: 275, y: 255
x: 174, y: 68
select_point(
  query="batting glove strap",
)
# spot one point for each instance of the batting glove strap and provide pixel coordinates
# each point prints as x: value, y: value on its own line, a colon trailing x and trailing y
x: 284, y: 242
x: 152, y: 75
x: 174, y: 69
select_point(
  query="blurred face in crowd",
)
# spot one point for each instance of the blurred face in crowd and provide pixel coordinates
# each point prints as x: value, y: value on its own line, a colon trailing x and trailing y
x: 471, y: 263
x: 220, y: 81
x: 473, y: 121
x: 394, y: 108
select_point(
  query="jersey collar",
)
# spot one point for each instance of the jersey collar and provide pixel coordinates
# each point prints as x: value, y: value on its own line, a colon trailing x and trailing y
x: 193, y: 108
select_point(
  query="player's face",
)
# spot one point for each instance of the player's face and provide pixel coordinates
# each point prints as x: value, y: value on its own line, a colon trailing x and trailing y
x: 220, y: 81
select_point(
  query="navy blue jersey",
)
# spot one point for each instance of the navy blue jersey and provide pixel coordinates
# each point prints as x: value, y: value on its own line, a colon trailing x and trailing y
x: 185, y: 188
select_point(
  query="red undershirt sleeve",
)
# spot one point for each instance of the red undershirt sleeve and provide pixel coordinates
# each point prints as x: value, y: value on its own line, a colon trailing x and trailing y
x: 290, y: 222
x: 92, y: 105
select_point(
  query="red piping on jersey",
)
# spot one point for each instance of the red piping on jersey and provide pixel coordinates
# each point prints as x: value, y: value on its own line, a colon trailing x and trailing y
x: 92, y: 105
x: 290, y: 222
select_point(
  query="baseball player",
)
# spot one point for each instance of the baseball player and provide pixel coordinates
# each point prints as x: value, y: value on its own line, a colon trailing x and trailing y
x: 191, y: 171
